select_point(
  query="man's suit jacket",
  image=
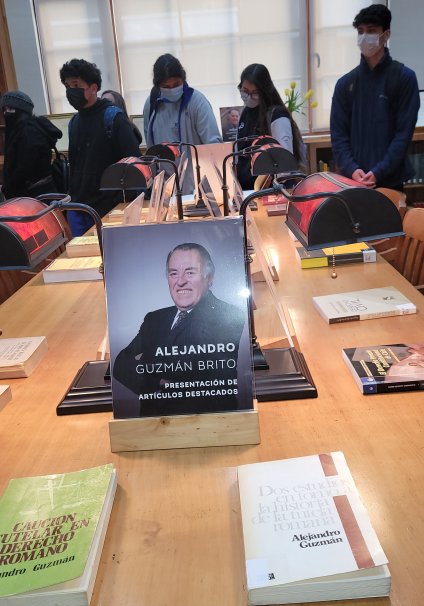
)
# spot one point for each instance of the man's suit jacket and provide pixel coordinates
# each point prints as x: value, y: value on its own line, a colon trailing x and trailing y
x: 141, y: 365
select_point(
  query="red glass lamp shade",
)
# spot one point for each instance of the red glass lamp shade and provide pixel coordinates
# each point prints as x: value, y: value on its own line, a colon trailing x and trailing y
x: 127, y: 174
x: 355, y: 214
x: 25, y: 245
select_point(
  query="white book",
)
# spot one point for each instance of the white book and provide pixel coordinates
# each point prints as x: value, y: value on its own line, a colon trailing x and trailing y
x: 5, y: 395
x: 77, y: 269
x: 363, y: 305
x: 307, y: 535
x: 83, y: 246
x: 20, y: 355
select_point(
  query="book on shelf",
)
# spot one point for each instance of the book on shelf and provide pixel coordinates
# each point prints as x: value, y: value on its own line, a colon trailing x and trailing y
x: 387, y: 368
x: 323, y: 257
x: 307, y: 535
x: 19, y: 356
x: 53, y: 529
x: 83, y: 246
x: 363, y: 305
x: 76, y: 269
x: 5, y: 395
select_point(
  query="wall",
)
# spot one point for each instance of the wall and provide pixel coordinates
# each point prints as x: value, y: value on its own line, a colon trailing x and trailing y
x: 26, y: 52
x: 406, y: 41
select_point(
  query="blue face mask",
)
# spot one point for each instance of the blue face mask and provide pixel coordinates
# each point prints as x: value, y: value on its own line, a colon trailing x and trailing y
x: 172, y: 94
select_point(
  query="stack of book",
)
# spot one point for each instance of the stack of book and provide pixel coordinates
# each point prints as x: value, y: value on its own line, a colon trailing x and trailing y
x: 307, y: 535
x: 324, y: 257
x: 19, y: 356
x: 76, y: 269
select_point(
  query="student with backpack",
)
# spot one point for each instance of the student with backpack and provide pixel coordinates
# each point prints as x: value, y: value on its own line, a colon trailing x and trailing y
x: 176, y: 112
x: 99, y: 135
x: 28, y: 148
x: 264, y: 113
x: 374, y: 109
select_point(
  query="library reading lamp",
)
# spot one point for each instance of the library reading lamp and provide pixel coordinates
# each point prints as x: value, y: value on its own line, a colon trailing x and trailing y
x: 130, y: 173
x: 318, y: 219
x: 267, y: 158
x: 29, y: 232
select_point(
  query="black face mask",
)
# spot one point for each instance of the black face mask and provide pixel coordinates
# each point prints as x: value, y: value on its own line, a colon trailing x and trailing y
x: 10, y: 119
x: 76, y: 97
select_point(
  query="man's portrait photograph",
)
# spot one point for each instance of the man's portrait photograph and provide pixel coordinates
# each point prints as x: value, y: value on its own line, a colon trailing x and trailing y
x: 178, y: 318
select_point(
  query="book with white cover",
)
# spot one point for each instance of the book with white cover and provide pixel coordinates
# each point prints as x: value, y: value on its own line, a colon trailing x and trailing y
x: 77, y: 269
x: 363, y: 305
x: 83, y: 246
x: 5, y: 395
x: 20, y: 355
x: 307, y: 535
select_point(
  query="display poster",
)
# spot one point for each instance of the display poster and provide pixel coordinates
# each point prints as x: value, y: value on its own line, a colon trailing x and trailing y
x: 230, y: 117
x: 178, y: 316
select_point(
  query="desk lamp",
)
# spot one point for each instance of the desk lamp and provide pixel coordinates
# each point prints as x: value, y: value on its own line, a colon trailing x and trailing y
x: 171, y: 151
x: 114, y: 176
x: 267, y: 159
x: 23, y: 245
x: 318, y: 219
x: 128, y: 174
x: 90, y: 390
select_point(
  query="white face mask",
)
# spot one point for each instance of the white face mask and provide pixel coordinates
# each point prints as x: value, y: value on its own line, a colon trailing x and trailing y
x: 248, y: 101
x: 369, y: 44
x: 172, y: 94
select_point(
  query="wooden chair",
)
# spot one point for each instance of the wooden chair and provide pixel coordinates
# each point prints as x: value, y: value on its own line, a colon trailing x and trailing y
x: 387, y: 247
x: 409, y: 260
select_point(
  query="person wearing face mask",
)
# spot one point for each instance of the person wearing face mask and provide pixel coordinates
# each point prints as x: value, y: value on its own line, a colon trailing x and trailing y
x: 28, y: 148
x: 92, y: 146
x: 176, y: 112
x: 118, y: 101
x: 264, y: 113
x: 374, y: 109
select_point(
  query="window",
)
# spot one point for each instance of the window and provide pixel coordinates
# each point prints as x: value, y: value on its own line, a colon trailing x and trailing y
x: 214, y: 40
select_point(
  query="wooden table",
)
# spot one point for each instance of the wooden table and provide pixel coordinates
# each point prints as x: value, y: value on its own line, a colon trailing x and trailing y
x: 175, y: 536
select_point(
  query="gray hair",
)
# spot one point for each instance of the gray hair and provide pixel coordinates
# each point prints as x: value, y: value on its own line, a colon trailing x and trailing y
x: 208, y: 266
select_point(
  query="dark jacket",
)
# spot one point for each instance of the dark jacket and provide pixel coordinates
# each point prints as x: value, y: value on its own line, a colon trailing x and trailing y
x: 28, y: 153
x: 91, y: 151
x: 371, y: 131
x: 211, y: 321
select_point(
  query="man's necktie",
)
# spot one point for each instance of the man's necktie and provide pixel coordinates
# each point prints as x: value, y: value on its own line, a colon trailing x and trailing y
x: 180, y: 318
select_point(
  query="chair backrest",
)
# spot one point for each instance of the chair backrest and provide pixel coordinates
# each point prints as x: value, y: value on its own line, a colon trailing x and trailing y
x: 387, y: 247
x: 409, y: 259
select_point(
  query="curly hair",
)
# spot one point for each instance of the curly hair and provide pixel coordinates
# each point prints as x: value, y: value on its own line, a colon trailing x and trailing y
x: 80, y: 68
x: 376, y: 14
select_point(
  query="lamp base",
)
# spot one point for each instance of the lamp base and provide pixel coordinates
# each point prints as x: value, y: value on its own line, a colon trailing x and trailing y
x: 90, y: 391
x: 287, y: 378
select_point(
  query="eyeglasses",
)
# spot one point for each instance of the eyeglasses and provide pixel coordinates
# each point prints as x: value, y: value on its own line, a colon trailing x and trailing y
x: 246, y: 93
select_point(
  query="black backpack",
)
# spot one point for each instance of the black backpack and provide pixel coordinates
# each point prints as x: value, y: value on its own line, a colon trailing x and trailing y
x: 60, y: 171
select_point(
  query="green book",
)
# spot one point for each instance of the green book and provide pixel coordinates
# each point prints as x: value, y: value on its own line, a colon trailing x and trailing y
x: 52, y: 530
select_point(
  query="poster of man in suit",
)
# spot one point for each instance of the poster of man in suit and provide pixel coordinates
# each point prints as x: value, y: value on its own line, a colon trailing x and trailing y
x: 178, y: 318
